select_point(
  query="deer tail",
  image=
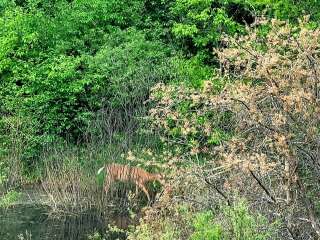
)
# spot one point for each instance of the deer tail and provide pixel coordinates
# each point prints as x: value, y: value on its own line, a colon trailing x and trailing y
x: 100, y: 170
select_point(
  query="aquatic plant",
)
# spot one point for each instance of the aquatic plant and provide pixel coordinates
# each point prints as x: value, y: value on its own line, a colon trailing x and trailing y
x: 9, y: 198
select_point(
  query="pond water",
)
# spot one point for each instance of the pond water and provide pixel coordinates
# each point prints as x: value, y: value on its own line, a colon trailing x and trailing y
x: 33, y: 222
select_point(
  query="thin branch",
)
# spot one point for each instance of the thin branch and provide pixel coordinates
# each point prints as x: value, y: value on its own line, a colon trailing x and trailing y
x: 312, y: 64
x: 291, y: 233
x: 247, y: 50
x: 259, y: 123
x: 218, y: 190
x: 262, y: 186
x: 310, y: 208
x: 185, y: 198
x: 242, y: 102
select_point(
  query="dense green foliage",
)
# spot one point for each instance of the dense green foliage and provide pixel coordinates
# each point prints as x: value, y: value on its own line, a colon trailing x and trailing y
x: 198, y: 26
x: 63, y: 61
x: 232, y: 222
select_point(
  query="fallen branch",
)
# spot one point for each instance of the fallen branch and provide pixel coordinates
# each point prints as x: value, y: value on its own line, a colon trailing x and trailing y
x: 218, y: 191
x: 262, y: 186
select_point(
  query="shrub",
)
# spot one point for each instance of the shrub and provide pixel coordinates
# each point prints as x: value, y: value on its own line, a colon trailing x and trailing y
x: 9, y: 198
x: 62, y: 62
x: 193, y: 72
x: 126, y: 67
x: 240, y: 224
x: 186, y: 116
x: 184, y: 222
x: 204, y: 229
x: 292, y: 10
x: 277, y: 113
x: 198, y: 25
x: 273, y: 107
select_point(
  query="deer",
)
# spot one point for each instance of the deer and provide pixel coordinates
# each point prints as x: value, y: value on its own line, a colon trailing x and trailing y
x: 124, y: 173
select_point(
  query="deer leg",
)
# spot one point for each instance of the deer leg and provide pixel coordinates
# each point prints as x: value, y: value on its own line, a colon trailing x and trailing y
x: 143, y: 188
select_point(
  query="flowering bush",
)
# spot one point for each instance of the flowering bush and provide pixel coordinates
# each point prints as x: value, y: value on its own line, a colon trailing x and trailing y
x: 188, y: 119
x: 262, y: 130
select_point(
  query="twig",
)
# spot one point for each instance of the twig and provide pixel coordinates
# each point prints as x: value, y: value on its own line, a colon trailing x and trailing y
x: 291, y: 233
x: 262, y: 186
x: 312, y: 64
x: 242, y: 102
x: 247, y: 50
x: 310, y: 208
x: 218, y: 190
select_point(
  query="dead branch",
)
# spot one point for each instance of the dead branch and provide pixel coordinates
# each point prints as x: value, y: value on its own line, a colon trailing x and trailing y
x: 262, y: 186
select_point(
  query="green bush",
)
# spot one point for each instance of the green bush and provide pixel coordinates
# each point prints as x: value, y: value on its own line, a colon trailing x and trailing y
x: 199, y: 25
x: 192, y: 71
x: 126, y: 67
x: 227, y: 223
x: 290, y: 9
x: 241, y: 225
x: 9, y: 198
x: 61, y: 62
x: 4, y: 171
x: 204, y: 228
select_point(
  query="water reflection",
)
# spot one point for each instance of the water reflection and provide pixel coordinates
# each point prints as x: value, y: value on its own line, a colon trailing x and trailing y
x: 35, y: 221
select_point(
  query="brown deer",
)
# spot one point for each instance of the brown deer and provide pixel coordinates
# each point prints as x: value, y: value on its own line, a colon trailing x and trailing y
x: 124, y: 173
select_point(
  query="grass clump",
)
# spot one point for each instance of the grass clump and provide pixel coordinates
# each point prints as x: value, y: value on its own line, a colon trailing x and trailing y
x: 9, y: 199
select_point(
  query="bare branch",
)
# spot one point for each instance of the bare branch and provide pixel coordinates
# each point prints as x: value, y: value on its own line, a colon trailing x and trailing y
x: 218, y: 191
x: 310, y: 207
x: 262, y: 186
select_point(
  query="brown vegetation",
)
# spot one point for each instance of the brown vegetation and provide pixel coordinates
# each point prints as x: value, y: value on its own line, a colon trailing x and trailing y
x: 271, y: 153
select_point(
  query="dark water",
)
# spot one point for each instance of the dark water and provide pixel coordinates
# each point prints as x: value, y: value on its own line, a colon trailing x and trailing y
x: 33, y: 220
